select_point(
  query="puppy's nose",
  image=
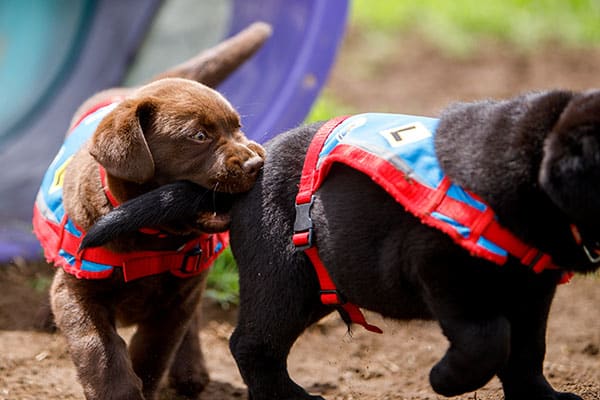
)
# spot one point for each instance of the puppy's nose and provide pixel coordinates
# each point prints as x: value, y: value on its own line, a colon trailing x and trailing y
x: 252, y: 165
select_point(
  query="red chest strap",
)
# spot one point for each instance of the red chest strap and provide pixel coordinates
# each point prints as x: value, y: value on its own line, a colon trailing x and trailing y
x: 303, y: 229
x: 192, y: 258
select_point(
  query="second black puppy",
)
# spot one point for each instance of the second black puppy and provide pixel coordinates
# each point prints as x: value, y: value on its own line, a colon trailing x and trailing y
x: 534, y: 160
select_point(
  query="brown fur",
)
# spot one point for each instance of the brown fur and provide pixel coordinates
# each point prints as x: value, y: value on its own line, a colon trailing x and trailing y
x: 145, y: 142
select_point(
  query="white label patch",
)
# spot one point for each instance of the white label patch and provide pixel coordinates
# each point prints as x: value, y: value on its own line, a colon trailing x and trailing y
x: 405, y: 134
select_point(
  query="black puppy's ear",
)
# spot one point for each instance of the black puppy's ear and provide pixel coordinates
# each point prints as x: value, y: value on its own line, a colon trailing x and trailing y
x: 119, y: 143
x: 570, y: 169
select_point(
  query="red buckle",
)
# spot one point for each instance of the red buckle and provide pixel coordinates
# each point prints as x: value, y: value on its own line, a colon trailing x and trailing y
x: 537, y: 260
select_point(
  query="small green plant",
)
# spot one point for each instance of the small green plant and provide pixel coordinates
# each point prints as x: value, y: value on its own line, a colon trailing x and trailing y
x: 222, y: 283
x: 40, y: 283
x: 325, y: 108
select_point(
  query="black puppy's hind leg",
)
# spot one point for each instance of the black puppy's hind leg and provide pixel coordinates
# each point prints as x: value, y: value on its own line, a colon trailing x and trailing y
x: 274, y: 311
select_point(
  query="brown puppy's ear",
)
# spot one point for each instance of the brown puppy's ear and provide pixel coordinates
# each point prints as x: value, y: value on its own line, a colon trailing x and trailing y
x: 119, y: 144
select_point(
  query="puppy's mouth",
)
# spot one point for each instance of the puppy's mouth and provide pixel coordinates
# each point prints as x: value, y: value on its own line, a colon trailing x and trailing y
x: 186, y: 208
x: 213, y: 222
x: 212, y: 211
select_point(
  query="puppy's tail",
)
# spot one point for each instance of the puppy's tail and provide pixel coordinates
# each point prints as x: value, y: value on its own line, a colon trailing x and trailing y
x: 179, y: 201
x: 213, y: 65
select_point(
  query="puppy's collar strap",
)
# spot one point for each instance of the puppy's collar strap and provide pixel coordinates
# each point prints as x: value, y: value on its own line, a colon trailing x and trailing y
x: 111, y: 198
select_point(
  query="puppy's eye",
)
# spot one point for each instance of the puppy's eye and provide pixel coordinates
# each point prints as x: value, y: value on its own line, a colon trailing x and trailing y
x: 199, y: 136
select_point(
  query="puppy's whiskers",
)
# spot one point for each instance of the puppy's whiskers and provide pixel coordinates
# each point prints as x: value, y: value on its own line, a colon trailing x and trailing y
x: 214, y: 198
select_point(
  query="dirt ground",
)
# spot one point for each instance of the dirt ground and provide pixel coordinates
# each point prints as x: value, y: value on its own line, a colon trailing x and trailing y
x: 412, y: 78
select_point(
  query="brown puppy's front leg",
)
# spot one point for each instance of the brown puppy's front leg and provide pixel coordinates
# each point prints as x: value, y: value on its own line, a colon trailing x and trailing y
x: 188, y: 374
x: 157, y: 338
x: 99, y: 353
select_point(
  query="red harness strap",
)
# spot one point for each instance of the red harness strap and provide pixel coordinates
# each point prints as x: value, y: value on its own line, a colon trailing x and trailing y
x: 96, y: 107
x: 302, y: 237
x: 190, y: 259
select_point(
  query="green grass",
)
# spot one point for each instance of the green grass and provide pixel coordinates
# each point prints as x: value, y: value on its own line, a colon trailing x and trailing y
x: 222, y: 283
x: 326, y: 107
x: 457, y: 25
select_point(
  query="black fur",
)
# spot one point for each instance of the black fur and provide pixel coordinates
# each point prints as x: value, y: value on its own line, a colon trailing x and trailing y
x: 535, y: 159
x: 173, y: 203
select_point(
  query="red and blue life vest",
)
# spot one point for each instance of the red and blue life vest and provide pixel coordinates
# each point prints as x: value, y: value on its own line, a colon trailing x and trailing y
x: 397, y: 152
x: 60, y: 237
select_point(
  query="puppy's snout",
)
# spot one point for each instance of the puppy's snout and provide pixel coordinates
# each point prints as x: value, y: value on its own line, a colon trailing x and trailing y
x: 252, y: 165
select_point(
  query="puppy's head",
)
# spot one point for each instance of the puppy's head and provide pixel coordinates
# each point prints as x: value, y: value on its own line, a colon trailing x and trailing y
x: 570, y: 170
x: 176, y: 129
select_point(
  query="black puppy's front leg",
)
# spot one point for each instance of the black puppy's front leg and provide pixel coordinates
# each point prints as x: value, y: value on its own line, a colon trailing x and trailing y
x: 522, y: 377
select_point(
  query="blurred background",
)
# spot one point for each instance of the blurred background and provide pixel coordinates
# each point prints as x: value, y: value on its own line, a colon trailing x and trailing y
x: 417, y: 56
x: 55, y: 54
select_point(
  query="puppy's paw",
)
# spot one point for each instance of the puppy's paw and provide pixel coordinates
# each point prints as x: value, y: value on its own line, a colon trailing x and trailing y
x: 188, y: 380
x: 189, y: 387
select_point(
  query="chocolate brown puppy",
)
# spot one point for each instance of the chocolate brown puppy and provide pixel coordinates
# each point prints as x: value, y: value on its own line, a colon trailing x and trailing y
x: 534, y: 160
x: 126, y: 142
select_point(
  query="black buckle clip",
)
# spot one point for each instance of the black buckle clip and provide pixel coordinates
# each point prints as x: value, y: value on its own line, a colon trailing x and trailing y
x: 303, y: 225
x: 195, y: 265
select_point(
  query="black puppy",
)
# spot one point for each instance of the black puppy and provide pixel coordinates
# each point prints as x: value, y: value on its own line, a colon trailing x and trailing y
x: 534, y: 159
